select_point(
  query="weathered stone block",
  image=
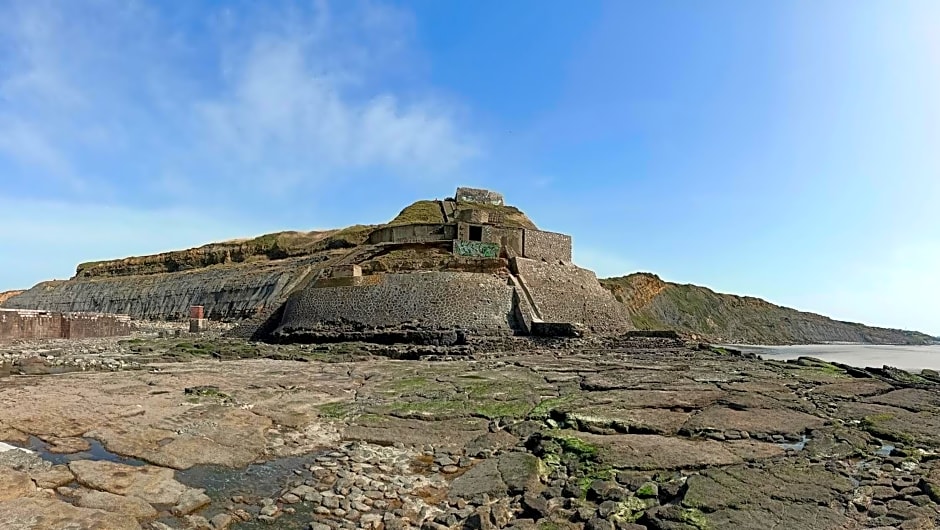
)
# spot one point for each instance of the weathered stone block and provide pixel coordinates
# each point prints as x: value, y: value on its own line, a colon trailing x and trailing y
x: 479, y: 196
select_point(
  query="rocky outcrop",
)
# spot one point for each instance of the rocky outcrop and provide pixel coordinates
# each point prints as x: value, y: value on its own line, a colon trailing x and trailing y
x: 655, y: 304
x: 27, y: 513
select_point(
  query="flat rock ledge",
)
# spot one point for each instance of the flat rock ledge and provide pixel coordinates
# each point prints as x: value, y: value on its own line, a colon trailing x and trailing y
x: 614, y: 434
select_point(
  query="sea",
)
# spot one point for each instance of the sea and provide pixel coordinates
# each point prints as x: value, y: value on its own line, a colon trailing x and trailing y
x: 911, y: 358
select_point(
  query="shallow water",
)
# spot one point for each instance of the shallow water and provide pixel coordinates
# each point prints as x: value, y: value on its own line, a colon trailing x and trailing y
x: 257, y: 481
x: 95, y: 452
x: 885, y: 450
x: 795, y: 446
x: 913, y: 358
x: 254, y: 482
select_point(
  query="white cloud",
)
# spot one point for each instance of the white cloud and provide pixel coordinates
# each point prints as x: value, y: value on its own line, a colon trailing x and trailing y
x: 284, y: 89
x: 280, y: 106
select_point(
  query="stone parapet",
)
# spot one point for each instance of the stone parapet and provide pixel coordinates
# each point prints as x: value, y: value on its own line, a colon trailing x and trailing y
x: 546, y: 246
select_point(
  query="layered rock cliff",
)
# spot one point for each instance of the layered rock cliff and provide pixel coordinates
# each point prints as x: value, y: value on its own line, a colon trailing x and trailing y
x: 726, y: 318
x: 226, y: 291
x: 6, y: 295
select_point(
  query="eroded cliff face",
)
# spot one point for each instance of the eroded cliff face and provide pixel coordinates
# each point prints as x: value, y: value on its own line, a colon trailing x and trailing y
x: 226, y: 291
x: 269, y: 247
x: 6, y: 295
x: 655, y: 304
x: 232, y: 279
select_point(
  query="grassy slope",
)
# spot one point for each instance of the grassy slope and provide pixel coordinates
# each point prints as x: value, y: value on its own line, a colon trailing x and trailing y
x: 655, y: 304
x: 278, y: 245
x: 5, y: 295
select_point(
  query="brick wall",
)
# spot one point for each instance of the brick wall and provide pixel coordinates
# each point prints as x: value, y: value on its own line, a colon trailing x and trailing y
x: 480, y: 303
x: 25, y: 324
x: 548, y: 246
x: 16, y: 324
x: 90, y: 325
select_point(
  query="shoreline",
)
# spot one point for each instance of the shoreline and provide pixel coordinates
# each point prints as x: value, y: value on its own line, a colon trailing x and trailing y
x: 913, y: 358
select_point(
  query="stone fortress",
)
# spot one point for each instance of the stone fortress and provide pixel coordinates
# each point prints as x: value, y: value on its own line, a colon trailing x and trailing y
x: 480, y: 270
x: 441, y: 272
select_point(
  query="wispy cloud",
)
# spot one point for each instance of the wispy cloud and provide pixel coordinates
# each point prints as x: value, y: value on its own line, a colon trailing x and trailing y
x: 281, y: 107
x: 280, y: 95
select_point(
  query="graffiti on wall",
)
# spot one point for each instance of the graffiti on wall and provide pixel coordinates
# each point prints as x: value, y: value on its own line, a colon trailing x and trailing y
x: 476, y: 249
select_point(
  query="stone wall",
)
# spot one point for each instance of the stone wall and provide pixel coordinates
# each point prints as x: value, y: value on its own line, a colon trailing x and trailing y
x: 508, y: 238
x: 475, y: 215
x: 522, y: 309
x: 229, y: 291
x: 477, y: 303
x: 479, y: 196
x: 90, y: 325
x: 547, y: 246
x: 27, y: 324
x: 563, y: 292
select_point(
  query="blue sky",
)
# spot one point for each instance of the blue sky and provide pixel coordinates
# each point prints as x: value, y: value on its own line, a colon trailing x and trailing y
x: 787, y: 150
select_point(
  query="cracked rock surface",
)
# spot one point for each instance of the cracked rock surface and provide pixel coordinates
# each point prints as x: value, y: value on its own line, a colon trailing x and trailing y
x: 580, y: 434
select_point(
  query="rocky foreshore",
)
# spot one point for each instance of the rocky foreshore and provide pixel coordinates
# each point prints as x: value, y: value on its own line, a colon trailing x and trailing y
x: 211, y: 433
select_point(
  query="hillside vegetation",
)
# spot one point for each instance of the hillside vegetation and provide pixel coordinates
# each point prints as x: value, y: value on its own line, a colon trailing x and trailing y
x: 8, y: 294
x: 279, y: 245
x: 655, y: 304
x: 431, y: 212
x: 276, y: 246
